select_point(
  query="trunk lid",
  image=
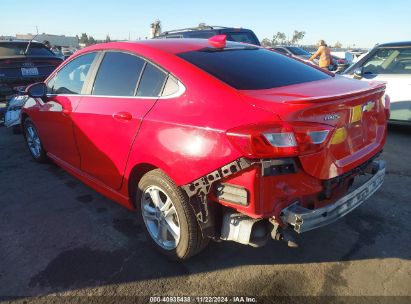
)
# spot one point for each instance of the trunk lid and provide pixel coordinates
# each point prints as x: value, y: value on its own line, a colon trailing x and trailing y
x: 353, y: 108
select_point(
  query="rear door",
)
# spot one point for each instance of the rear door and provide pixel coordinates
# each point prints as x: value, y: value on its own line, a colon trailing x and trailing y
x: 107, y: 120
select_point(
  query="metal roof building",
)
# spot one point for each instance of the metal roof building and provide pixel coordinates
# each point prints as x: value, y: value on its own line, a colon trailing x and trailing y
x: 58, y: 40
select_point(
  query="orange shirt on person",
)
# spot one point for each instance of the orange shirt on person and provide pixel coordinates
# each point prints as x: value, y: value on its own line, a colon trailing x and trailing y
x: 325, y: 56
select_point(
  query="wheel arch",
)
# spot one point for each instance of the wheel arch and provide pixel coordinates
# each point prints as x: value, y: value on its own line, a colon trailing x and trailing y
x: 24, y: 116
x: 136, y: 173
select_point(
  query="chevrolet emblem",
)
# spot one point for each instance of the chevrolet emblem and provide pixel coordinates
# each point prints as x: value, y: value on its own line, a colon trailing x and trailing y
x: 368, y: 106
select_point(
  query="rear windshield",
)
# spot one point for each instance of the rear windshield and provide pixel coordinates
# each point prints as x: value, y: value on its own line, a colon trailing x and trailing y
x: 16, y: 49
x: 252, y: 68
x: 244, y: 37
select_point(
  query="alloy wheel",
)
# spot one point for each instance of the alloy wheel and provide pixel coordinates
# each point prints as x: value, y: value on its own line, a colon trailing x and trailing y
x: 33, y: 141
x: 160, y: 217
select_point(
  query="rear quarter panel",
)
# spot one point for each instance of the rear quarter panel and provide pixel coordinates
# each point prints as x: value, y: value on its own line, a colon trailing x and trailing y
x: 185, y: 136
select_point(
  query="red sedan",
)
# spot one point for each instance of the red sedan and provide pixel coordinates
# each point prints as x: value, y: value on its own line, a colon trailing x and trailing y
x: 211, y: 140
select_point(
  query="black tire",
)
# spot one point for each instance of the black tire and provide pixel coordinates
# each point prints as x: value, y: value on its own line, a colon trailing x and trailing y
x: 41, y: 157
x: 16, y: 129
x: 191, y: 240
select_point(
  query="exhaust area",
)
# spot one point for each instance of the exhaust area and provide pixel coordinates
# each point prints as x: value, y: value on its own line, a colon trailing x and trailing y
x: 242, y: 229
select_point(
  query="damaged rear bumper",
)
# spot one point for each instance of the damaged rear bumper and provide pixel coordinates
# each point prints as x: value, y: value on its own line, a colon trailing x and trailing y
x: 302, y: 219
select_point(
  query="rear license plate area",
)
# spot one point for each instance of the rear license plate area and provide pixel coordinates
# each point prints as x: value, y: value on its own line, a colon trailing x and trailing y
x: 29, y: 72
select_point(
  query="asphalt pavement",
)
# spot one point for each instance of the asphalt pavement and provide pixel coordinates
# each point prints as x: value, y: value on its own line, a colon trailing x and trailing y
x: 59, y: 237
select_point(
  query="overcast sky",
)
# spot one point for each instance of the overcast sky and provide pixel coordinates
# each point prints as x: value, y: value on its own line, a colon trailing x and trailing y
x: 361, y: 23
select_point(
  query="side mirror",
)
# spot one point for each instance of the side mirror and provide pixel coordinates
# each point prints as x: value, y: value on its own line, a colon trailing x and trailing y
x: 359, y: 73
x: 37, y: 90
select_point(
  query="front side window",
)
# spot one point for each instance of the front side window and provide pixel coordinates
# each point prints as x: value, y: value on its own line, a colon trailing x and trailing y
x: 152, y: 81
x: 389, y: 61
x: 251, y: 68
x: 118, y: 74
x: 70, y: 79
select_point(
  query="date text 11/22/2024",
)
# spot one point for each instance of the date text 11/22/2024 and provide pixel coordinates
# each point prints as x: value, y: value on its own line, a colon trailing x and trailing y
x: 202, y: 299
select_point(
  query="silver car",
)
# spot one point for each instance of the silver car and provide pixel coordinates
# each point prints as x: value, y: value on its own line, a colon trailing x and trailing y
x: 389, y: 62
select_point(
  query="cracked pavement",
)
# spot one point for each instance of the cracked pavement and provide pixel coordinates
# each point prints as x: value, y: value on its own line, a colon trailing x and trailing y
x: 57, y: 236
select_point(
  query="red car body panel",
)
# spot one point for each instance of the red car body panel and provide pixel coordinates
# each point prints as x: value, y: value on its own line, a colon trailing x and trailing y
x: 185, y: 136
x: 269, y: 195
x: 105, y: 150
x: 54, y: 123
x: 338, y: 96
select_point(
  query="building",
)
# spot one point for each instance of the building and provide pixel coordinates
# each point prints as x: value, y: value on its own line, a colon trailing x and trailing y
x: 7, y: 38
x: 58, y: 40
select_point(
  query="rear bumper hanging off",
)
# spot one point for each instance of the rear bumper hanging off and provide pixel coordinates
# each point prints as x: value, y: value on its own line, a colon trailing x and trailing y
x: 303, y: 219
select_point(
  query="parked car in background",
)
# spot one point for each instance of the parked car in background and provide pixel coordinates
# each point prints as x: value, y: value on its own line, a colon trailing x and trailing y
x: 347, y: 56
x: 233, y: 34
x: 292, y: 51
x: 338, y: 64
x: 58, y: 52
x: 23, y: 63
x: 67, y: 52
x: 12, y: 112
x: 211, y: 139
x: 390, y: 62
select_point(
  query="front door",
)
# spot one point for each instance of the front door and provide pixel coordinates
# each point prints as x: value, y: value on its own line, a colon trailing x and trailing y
x: 63, y: 97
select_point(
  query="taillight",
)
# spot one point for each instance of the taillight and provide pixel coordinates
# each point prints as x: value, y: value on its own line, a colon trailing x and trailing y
x: 311, y: 137
x: 279, y: 140
x: 264, y: 140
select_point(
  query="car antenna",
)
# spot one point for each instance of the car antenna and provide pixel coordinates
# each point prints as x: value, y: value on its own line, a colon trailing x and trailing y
x: 28, y: 45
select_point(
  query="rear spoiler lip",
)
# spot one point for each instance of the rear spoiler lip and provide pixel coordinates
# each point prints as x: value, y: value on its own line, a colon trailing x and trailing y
x: 379, y: 87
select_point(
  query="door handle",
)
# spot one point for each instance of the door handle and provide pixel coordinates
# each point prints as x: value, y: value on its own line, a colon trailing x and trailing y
x: 123, y: 116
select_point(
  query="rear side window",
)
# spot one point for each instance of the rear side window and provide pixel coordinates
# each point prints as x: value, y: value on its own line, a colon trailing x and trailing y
x: 118, y: 75
x: 171, y: 86
x: 250, y: 68
x: 152, y: 81
x: 70, y: 79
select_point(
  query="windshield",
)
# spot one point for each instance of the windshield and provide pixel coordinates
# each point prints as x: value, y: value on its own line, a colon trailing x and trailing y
x: 253, y: 68
x: 18, y: 48
x: 298, y: 51
x: 389, y: 61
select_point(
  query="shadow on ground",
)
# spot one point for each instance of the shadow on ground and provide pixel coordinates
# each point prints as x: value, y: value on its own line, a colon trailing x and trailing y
x: 58, y: 235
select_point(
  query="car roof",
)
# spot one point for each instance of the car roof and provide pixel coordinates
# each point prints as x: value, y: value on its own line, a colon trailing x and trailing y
x: 395, y: 44
x: 20, y: 41
x: 172, y: 45
x: 204, y: 29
